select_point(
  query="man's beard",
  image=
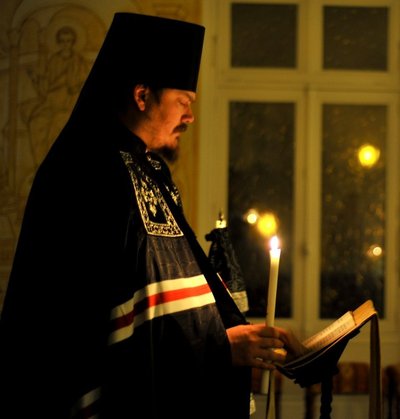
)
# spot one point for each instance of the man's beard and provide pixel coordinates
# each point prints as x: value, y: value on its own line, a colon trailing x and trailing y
x: 169, y: 154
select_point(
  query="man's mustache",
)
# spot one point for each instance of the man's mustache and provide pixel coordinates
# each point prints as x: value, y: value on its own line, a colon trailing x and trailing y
x: 181, y: 128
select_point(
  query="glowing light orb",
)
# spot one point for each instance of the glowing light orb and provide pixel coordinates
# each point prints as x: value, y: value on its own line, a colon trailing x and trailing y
x: 267, y: 224
x: 368, y: 155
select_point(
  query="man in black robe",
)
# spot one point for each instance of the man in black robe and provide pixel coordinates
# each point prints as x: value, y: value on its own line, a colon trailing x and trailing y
x: 112, y: 309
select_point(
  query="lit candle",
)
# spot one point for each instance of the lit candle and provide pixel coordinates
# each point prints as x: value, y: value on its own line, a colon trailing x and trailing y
x: 274, y: 254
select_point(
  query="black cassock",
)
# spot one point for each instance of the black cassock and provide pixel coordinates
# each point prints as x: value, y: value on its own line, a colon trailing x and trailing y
x: 112, y: 307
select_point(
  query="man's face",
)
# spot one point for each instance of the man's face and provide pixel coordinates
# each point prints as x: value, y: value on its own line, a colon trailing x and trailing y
x: 168, y: 118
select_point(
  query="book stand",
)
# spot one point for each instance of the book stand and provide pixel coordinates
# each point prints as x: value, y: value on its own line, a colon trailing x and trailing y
x: 323, y: 367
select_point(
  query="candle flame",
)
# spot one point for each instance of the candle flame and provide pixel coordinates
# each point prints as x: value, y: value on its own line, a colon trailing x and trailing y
x: 274, y: 243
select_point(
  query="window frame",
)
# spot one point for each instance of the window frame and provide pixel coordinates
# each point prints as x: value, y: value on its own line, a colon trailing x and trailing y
x: 308, y: 86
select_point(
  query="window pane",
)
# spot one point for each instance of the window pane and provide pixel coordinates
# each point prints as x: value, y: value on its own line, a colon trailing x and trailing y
x: 261, y: 154
x: 355, y: 38
x: 353, y: 207
x: 264, y: 35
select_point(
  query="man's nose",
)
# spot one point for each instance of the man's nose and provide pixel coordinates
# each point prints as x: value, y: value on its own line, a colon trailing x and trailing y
x: 188, y: 118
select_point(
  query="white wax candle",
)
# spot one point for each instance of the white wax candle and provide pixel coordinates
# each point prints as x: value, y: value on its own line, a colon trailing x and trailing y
x: 274, y: 254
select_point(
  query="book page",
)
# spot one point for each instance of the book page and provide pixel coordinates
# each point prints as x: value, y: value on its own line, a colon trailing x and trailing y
x: 364, y: 312
x: 335, y: 330
x: 321, y: 344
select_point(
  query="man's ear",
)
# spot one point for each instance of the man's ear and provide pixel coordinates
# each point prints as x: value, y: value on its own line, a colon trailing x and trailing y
x: 140, y: 92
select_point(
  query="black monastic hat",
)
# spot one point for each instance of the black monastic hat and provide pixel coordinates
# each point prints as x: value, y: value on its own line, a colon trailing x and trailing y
x: 140, y: 49
x: 156, y: 50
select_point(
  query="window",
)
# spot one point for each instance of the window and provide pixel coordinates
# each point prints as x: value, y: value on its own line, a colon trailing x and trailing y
x: 261, y: 162
x: 353, y: 216
x: 306, y: 97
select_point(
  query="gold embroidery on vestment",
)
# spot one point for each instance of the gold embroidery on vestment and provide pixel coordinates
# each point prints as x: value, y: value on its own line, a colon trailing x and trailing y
x: 156, y: 215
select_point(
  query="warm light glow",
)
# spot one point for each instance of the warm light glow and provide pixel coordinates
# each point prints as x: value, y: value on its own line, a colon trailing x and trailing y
x: 251, y: 216
x: 267, y: 224
x: 368, y: 155
x: 375, y: 251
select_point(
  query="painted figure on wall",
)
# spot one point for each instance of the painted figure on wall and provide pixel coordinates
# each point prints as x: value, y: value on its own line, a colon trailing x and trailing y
x: 49, y: 54
x: 57, y: 90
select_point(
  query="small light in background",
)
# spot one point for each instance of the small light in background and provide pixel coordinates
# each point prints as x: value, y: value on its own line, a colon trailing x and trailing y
x: 368, y: 155
x: 267, y: 224
x: 374, y: 251
x: 251, y: 216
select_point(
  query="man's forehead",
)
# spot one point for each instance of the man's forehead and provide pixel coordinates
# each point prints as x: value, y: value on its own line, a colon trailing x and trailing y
x: 185, y: 93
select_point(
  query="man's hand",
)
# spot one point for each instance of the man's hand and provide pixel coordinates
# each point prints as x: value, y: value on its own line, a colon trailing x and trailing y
x: 256, y: 345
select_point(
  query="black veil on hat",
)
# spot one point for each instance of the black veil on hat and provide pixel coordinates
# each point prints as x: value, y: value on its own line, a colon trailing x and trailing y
x: 156, y: 51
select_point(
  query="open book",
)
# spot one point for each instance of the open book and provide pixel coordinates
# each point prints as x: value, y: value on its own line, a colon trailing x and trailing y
x: 321, y: 352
